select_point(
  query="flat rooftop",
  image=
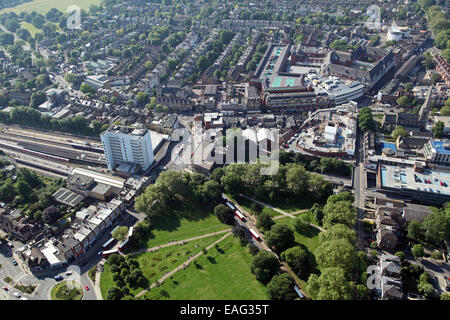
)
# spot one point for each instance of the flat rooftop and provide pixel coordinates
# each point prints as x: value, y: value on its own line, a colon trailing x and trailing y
x: 127, y: 130
x: 271, y: 71
x: 397, y: 177
x: 441, y: 147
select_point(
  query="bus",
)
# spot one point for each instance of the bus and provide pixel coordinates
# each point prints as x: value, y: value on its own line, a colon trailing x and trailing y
x: 123, y: 245
x: 255, y: 235
x: 108, y: 244
x: 239, y: 215
x: 111, y: 233
x: 231, y: 206
x: 105, y: 254
x: 224, y: 198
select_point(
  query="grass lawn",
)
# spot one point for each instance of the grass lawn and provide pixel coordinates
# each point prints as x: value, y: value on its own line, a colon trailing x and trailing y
x: 43, y: 6
x: 106, y: 280
x: 184, y: 224
x: 292, y: 204
x: 154, y: 264
x: 225, y: 276
x: 310, y: 239
x: 246, y: 204
x: 33, y: 30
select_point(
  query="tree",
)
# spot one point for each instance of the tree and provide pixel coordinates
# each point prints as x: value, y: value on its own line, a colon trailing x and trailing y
x: 401, y: 255
x: 23, y: 189
x: 281, y: 287
x: 232, y: 184
x: 297, y: 179
x: 51, y: 214
x: 37, y: 98
x: 171, y: 65
x: 238, y: 232
x: 120, y: 233
x: 415, y: 231
x: 365, y: 120
x: 438, y: 129
x: 280, y: 237
x: 436, y: 255
x: 224, y: 214
x: 337, y: 253
x: 399, y: 131
x: 301, y: 226
x: 362, y: 290
x: 87, y: 88
x: 265, y: 221
x: 425, y: 286
x: 342, y: 212
x: 142, y: 98
x: 445, y: 296
x: 331, y: 285
x: 417, y: 251
x: 114, y: 293
x: 264, y: 266
x: 72, y: 78
x: 300, y: 260
x: 7, y: 191
x: 338, y: 231
x: 437, y: 228
x: 211, y: 192
x: 319, y: 188
x: 256, y: 208
x: 202, y: 63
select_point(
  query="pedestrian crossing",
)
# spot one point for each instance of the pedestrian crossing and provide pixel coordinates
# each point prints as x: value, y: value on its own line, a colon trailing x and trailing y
x: 18, y: 277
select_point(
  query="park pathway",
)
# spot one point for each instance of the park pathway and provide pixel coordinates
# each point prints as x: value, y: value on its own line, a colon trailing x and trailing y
x: 284, y: 213
x: 187, y: 263
x: 98, y: 273
x: 172, y: 243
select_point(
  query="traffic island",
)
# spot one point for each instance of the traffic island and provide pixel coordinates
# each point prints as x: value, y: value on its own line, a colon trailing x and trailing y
x: 67, y: 291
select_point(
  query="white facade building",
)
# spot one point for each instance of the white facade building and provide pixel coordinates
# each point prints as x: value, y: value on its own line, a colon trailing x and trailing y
x: 125, y: 145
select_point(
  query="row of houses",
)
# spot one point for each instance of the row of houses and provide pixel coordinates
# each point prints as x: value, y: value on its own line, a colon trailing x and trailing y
x: 87, y: 225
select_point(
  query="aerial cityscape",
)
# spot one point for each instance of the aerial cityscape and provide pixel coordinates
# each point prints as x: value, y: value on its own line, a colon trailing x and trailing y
x: 224, y: 150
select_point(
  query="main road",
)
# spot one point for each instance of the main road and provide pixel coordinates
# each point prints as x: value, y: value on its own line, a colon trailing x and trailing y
x: 359, y: 185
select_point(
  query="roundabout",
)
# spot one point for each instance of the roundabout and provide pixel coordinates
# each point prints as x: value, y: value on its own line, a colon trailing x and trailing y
x: 67, y: 290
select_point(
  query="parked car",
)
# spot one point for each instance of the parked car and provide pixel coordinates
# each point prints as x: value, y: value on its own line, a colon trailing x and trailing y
x: 16, y: 294
x: 5, y: 288
x: 15, y: 262
x: 58, y: 278
x: 68, y: 273
x: 86, y: 287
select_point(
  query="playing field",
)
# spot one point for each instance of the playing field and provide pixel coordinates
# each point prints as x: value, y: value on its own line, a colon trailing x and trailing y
x: 43, y: 6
